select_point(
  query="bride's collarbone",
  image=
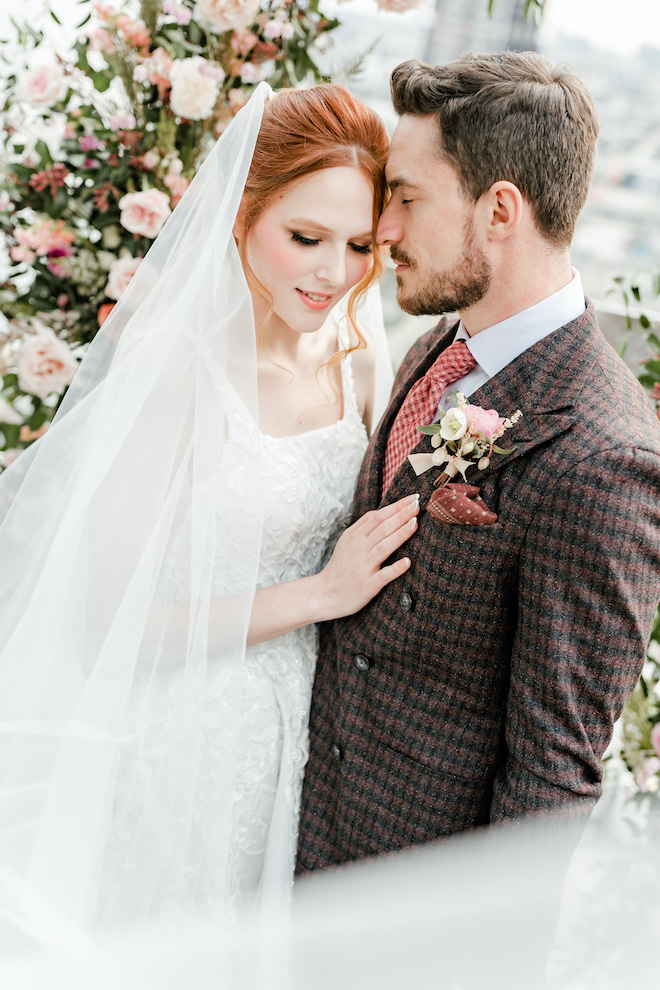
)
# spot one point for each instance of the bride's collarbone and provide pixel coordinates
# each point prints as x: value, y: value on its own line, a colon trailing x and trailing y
x: 293, y: 403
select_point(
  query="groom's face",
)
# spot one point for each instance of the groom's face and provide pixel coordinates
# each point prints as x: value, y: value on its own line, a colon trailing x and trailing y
x: 430, y: 227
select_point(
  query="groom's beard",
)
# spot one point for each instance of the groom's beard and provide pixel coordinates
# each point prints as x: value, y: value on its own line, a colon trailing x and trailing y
x: 449, y: 291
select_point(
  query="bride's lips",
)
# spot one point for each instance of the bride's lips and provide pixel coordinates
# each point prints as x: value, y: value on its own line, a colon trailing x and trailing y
x: 320, y: 301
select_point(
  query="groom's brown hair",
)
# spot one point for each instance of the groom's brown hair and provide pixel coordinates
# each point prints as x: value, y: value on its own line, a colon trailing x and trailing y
x: 510, y: 116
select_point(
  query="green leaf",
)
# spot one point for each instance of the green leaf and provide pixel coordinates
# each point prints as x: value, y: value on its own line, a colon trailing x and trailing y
x: 644, y: 321
x: 648, y: 381
x: 42, y: 150
x: 55, y: 18
x: 653, y: 341
x: 431, y: 430
x: 635, y: 291
x: 653, y: 367
x: 622, y: 347
x: 499, y: 450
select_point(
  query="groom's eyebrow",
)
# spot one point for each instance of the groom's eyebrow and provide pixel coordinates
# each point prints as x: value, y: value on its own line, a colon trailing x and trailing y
x: 401, y: 180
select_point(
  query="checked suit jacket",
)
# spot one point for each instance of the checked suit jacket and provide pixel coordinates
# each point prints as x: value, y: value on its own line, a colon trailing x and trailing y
x: 483, y: 685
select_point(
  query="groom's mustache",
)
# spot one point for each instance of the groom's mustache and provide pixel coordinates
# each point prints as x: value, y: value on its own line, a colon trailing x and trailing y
x: 400, y: 257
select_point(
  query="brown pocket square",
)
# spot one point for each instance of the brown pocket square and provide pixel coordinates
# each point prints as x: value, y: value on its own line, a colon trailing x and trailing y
x: 461, y: 505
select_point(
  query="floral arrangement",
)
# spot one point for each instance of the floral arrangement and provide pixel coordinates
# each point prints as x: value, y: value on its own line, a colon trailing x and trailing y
x: 98, y: 146
x: 465, y: 437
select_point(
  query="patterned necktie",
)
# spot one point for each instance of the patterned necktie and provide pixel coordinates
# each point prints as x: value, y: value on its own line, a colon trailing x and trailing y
x: 421, y: 403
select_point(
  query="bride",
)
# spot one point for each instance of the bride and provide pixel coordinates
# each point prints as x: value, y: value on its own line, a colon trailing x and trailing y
x: 163, y: 547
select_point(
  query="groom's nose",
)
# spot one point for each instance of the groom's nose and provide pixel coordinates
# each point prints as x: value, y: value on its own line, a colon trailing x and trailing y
x: 389, y: 230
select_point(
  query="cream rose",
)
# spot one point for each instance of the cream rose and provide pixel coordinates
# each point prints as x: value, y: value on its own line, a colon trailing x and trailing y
x: 45, y: 364
x: 121, y: 272
x: 453, y: 425
x: 43, y: 85
x: 227, y: 15
x: 194, y: 91
x: 144, y: 212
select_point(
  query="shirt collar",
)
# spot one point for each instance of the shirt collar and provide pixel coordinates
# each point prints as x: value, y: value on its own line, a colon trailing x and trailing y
x: 500, y: 344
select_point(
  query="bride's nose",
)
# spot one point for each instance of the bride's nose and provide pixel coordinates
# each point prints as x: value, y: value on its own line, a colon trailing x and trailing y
x: 332, y: 267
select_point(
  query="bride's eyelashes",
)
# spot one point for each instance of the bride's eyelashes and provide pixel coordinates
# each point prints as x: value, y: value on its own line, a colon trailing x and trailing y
x: 312, y: 242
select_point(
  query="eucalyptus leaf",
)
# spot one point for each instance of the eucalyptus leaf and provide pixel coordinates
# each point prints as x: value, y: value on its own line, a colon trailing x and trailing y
x: 499, y: 450
x: 429, y: 431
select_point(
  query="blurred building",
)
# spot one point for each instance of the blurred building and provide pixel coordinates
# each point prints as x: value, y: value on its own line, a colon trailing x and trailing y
x: 465, y: 26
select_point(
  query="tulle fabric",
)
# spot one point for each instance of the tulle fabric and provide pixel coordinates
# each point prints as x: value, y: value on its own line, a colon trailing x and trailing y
x: 127, y: 481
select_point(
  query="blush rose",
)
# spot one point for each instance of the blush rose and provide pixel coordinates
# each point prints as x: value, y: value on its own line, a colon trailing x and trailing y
x: 45, y: 364
x: 144, y: 212
x: 43, y: 85
x: 121, y: 272
x: 483, y: 421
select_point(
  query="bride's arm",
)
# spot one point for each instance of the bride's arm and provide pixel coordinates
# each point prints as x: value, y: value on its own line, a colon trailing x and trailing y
x: 350, y: 579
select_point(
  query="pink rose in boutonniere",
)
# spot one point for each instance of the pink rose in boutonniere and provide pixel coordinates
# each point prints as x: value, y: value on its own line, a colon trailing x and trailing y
x: 463, y: 438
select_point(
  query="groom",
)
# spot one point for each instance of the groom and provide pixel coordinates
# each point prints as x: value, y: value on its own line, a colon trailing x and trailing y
x: 483, y: 685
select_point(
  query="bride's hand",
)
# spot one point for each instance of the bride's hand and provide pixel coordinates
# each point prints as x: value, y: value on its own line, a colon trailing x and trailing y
x: 354, y: 574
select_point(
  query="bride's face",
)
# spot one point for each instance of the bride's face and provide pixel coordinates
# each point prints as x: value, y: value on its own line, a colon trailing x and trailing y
x: 311, y: 245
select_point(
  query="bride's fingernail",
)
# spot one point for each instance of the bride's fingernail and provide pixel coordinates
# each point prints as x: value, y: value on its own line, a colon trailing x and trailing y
x: 415, y: 498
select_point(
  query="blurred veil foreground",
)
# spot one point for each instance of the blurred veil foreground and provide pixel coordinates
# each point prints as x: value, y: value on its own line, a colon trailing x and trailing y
x: 478, y: 911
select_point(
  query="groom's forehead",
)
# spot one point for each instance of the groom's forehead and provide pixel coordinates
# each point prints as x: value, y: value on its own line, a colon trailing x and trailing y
x: 415, y: 140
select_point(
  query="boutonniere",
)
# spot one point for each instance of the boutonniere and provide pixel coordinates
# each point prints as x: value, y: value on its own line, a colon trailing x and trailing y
x: 464, y: 438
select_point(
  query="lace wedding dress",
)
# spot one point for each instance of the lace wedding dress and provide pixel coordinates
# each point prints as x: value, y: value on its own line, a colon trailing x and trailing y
x: 248, y: 761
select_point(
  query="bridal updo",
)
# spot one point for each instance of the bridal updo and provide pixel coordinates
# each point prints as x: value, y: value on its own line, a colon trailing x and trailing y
x: 304, y: 131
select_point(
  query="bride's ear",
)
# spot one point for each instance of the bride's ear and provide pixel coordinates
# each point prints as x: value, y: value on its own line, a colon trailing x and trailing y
x: 239, y: 224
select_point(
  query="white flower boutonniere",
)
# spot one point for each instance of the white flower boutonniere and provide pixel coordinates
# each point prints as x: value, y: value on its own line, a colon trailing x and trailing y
x: 463, y: 438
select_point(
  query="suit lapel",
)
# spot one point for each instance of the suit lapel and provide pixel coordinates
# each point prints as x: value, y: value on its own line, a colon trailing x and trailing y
x: 542, y: 382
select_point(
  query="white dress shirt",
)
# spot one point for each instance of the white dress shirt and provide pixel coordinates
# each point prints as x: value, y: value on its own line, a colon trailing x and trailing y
x: 496, y: 346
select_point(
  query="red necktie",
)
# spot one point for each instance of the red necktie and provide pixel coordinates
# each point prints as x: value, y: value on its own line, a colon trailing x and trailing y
x: 420, y: 405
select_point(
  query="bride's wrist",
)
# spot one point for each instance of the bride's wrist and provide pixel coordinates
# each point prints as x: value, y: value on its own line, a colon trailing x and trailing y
x: 320, y: 598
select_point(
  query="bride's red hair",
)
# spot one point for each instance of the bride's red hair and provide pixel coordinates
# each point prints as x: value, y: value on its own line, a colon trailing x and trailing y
x: 304, y: 131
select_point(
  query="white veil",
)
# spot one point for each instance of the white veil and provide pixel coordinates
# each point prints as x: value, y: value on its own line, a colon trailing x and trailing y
x: 120, y: 582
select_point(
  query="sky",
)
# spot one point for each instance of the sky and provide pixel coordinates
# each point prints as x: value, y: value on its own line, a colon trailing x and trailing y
x: 616, y: 25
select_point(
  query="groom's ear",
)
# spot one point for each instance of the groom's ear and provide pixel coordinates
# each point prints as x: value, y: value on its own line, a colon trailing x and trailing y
x: 501, y: 209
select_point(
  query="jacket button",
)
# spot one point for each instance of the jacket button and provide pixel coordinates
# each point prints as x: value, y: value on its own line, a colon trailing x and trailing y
x: 336, y: 752
x: 361, y: 662
x: 406, y: 602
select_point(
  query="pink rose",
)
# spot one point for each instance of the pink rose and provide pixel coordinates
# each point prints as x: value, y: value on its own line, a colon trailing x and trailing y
x: 177, y: 184
x: 483, y: 421
x: 655, y: 738
x: 278, y: 29
x: 120, y: 274
x: 182, y: 15
x: 122, y: 122
x: 252, y: 74
x: 100, y: 40
x: 43, y: 86
x: 45, y: 364
x: 144, y: 212
x: 89, y: 142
